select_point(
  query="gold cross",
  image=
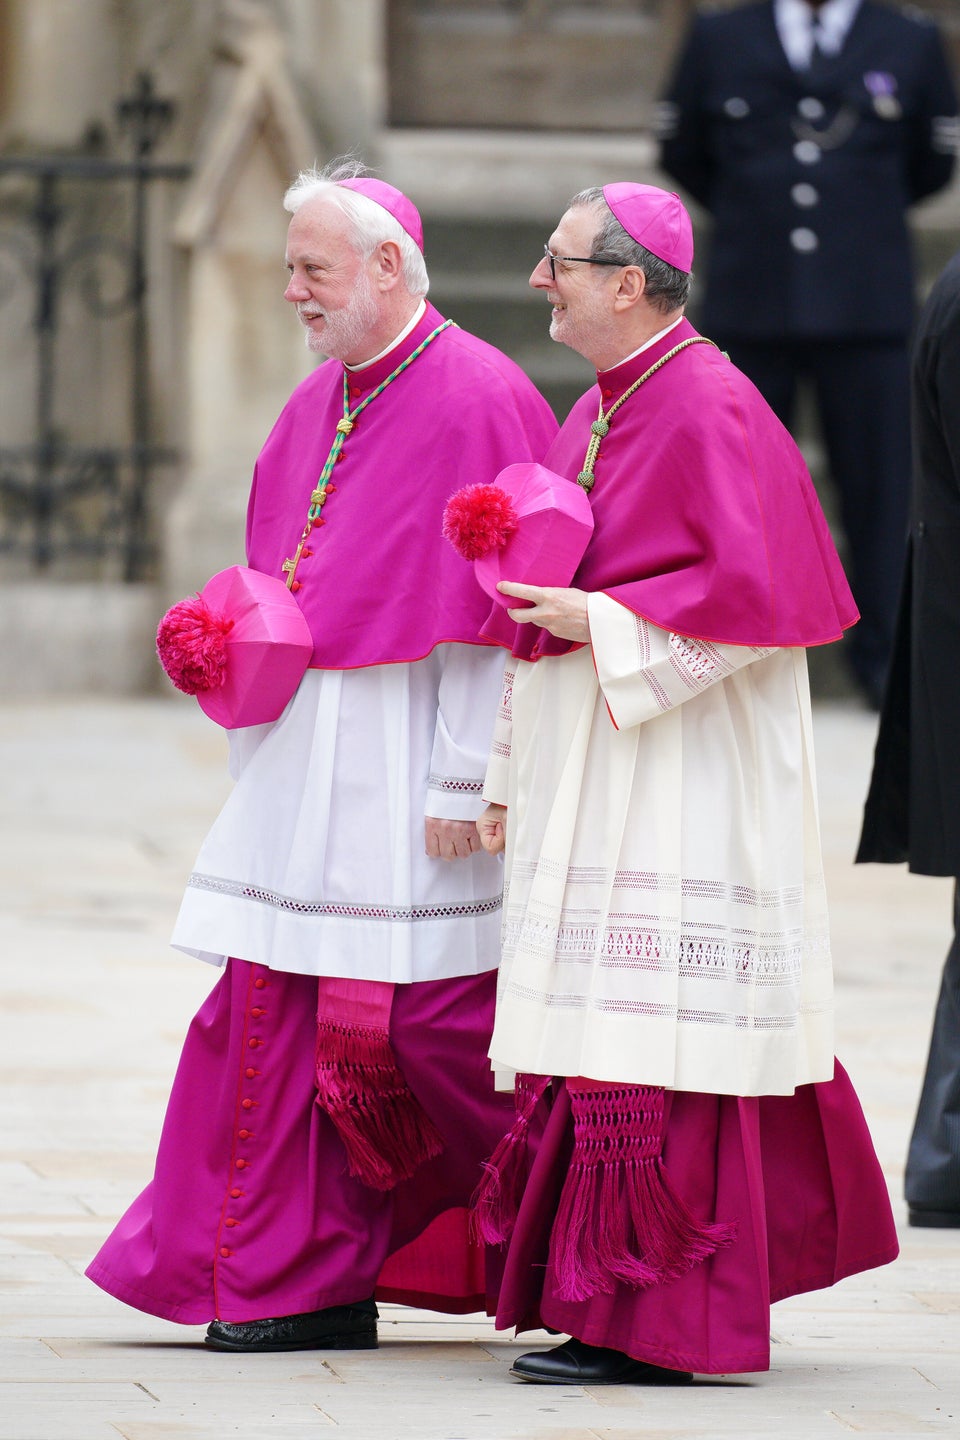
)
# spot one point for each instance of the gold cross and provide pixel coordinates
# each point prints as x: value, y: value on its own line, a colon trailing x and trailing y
x: 290, y: 566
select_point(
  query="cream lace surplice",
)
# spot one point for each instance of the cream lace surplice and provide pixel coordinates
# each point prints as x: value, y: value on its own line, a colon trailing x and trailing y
x: 664, y: 913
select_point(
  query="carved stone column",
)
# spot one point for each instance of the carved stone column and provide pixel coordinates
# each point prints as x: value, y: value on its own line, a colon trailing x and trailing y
x: 244, y: 351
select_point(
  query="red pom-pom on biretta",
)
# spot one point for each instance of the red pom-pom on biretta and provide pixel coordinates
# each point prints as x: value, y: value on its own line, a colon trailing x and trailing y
x: 192, y: 646
x: 479, y: 518
x: 240, y: 646
x: 529, y: 524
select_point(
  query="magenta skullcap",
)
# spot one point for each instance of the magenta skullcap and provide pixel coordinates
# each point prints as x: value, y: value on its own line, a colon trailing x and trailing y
x: 394, y: 201
x: 656, y: 219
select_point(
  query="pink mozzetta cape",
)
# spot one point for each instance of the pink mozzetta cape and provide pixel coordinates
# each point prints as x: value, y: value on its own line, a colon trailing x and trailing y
x: 706, y: 522
x: 380, y: 583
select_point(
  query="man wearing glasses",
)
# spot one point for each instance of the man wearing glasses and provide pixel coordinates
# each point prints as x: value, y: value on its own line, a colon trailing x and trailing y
x: 686, y: 1147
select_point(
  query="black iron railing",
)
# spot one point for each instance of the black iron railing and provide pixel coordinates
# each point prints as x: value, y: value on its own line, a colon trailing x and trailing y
x: 59, y: 497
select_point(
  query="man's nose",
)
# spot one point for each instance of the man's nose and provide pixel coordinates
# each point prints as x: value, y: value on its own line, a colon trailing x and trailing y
x: 541, y: 279
x: 296, y: 290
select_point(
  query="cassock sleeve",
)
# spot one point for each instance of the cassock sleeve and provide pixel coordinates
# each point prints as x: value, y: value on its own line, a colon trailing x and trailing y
x: 466, y: 705
x: 644, y: 671
x: 495, y: 787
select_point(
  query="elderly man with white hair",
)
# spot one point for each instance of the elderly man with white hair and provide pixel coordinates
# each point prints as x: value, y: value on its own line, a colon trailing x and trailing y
x: 333, y: 1103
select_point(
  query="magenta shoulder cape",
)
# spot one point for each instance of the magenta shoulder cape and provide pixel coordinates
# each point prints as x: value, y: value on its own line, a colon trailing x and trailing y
x: 706, y: 521
x: 380, y: 584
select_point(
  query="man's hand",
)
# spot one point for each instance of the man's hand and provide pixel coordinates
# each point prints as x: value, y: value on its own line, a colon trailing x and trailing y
x: 562, y: 612
x: 492, y: 828
x: 450, y: 839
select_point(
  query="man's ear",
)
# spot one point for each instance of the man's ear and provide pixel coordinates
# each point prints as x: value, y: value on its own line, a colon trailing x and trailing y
x: 630, y: 287
x: 389, y: 264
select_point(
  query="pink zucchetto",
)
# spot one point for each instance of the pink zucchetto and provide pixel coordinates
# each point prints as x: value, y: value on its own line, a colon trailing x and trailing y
x: 656, y: 219
x: 392, y: 200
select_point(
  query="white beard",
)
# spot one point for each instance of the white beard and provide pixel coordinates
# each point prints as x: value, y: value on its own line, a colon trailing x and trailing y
x: 345, y: 328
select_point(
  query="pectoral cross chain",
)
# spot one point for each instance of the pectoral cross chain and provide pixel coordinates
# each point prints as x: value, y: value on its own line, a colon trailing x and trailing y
x: 344, y: 427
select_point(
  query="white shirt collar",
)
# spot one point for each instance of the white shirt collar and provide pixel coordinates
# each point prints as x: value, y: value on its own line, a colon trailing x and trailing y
x: 411, y: 324
x: 647, y: 343
x: 797, y: 23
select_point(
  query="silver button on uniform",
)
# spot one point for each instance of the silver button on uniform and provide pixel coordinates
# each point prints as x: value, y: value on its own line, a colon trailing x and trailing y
x: 811, y: 108
x: 804, y: 195
x: 807, y: 152
x: 803, y: 240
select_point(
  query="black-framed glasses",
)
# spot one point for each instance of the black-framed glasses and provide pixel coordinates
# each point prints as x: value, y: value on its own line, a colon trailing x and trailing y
x: 552, y: 259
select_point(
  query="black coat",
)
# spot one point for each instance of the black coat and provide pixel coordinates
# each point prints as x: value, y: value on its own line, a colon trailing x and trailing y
x: 808, y: 179
x: 913, y: 806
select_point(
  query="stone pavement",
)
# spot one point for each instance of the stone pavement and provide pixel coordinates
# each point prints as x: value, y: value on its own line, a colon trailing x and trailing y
x: 103, y: 806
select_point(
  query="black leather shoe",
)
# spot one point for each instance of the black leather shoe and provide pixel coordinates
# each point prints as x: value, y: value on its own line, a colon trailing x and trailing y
x: 575, y: 1363
x: 339, y: 1327
x: 933, y: 1219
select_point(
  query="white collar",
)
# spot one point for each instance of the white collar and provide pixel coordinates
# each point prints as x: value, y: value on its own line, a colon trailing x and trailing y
x: 797, y: 25
x: 647, y: 343
x: 411, y: 324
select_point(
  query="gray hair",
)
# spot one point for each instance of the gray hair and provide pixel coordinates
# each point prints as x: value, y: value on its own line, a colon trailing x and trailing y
x: 370, y: 223
x: 667, y: 287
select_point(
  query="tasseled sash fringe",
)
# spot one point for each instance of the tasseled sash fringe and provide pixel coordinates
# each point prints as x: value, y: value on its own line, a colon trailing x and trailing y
x: 385, y: 1130
x: 619, y: 1219
x: 496, y: 1200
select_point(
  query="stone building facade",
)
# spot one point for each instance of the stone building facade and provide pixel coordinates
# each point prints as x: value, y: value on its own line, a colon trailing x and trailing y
x: 130, y: 414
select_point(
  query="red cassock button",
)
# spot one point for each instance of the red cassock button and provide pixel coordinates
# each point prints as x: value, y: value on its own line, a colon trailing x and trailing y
x: 257, y: 1011
x: 245, y: 1134
x: 260, y: 984
x: 250, y: 1072
x: 224, y: 1251
x: 253, y: 1044
x: 247, y: 1104
x: 241, y: 1164
x: 231, y: 1223
x: 235, y: 1193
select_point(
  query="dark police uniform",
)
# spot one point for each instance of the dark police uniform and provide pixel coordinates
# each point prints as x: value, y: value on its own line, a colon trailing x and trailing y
x: 808, y: 175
